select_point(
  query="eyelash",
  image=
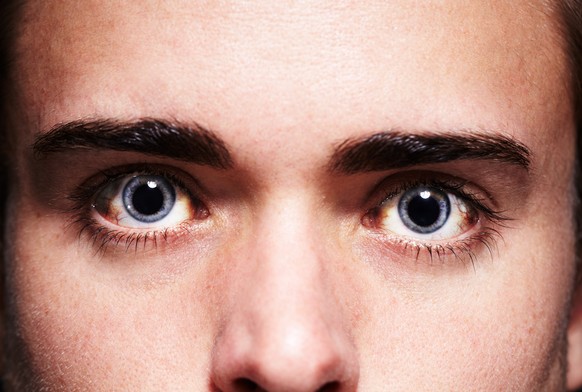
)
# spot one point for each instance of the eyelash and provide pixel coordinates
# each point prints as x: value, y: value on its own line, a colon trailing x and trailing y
x: 461, y: 250
x: 83, y: 196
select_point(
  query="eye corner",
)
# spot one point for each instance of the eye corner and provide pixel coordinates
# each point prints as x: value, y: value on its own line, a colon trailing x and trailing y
x: 370, y: 218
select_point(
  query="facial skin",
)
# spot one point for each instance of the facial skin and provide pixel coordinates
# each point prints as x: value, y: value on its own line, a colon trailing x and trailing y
x: 286, y: 279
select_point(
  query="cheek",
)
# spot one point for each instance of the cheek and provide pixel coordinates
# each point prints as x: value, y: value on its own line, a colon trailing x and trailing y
x: 79, y: 327
x: 501, y: 323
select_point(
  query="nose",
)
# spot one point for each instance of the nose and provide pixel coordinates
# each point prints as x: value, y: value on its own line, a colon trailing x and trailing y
x: 284, y: 330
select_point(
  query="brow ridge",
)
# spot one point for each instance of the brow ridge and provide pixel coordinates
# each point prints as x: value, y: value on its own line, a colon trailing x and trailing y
x: 191, y: 143
x: 397, y: 149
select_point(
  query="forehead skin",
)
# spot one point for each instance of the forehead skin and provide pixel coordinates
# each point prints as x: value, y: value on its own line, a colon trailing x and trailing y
x: 270, y: 68
x: 282, y: 83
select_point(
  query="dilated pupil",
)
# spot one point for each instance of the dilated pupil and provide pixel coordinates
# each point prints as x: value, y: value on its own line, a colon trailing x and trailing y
x: 424, y: 211
x: 147, y: 200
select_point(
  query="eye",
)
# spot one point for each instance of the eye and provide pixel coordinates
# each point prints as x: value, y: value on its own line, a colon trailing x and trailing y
x: 145, y: 201
x: 425, y: 212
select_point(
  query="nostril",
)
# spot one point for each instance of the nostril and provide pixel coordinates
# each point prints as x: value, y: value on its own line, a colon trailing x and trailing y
x: 246, y: 385
x: 330, y: 387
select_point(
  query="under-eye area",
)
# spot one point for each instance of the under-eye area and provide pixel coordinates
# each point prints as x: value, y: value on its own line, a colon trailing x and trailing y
x: 136, y: 207
x: 435, y: 219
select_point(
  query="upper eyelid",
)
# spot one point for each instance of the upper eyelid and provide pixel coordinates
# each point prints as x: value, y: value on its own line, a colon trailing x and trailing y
x: 455, y: 189
x: 392, y: 186
x: 396, y: 183
x: 497, y: 184
x: 83, y: 193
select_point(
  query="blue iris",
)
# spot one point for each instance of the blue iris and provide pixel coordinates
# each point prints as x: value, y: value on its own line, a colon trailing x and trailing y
x: 424, y: 209
x: 149, y: 198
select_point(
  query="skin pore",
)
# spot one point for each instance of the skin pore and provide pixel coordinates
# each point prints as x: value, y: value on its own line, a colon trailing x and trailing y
x: 283, y: 269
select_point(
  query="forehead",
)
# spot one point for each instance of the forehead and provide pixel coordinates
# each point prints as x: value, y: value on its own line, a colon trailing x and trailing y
x: 326, y: 67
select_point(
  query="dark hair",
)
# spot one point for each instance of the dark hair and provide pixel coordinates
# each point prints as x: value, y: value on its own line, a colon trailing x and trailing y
x: 571, y: 11
x: 9, y: 12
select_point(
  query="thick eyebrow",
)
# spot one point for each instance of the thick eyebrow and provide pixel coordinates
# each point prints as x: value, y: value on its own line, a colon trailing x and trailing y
x: 155, y: 137
x: 396, y: 150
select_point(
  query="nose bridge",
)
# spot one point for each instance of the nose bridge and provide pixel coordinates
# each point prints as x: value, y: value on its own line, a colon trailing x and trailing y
x: 290, y: 277
x: 286, y: 240
x: 285, y: 331
x: 287, y: 294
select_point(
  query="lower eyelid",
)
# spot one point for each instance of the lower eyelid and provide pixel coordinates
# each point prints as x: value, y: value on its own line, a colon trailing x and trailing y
x: 377, y: 231
x: 106, y: 239
x: 480, y: 244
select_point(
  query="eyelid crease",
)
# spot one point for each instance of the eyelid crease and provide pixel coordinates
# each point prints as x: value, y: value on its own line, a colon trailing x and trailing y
x: 399, y: 182
x: 456, y: 188
x: 87, y: 189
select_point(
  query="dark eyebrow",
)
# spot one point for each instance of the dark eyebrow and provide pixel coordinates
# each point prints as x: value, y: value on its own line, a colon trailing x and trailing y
x: 155, y: 137
x: 396, y: 149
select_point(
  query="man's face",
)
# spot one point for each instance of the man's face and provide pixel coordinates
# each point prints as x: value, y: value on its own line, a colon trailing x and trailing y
x: 208, y: 209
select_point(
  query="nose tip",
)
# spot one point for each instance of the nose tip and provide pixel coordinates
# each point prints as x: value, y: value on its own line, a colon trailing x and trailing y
x: 298, y: 359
